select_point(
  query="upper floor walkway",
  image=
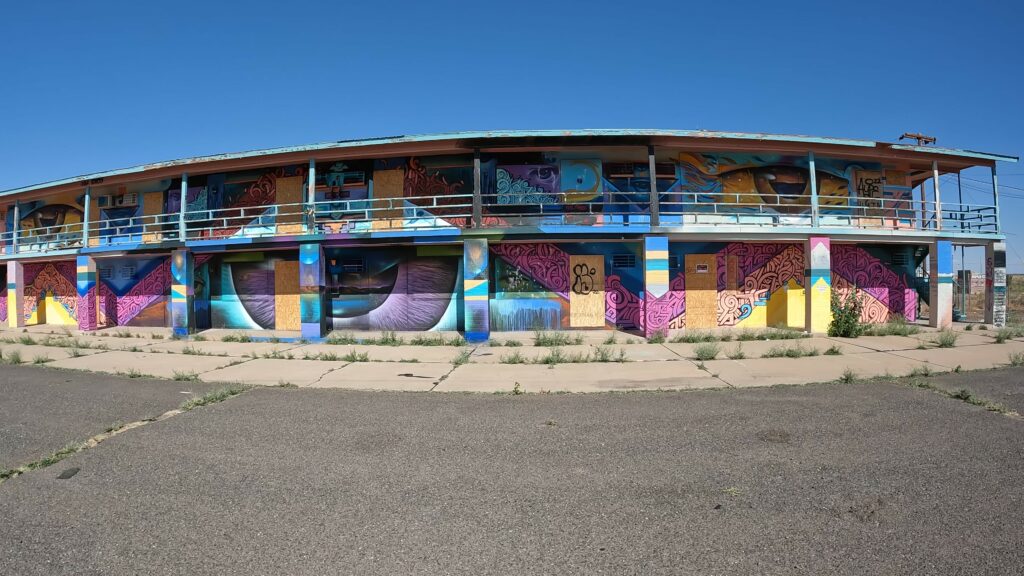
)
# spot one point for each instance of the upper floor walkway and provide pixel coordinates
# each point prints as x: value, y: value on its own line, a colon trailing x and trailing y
x: 575, y: 183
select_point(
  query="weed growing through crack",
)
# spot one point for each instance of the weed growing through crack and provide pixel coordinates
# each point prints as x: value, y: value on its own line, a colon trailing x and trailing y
x: 515, y: 357
x: 199, y: 338
x: 236, y: 337
x: 947, y: 339
x: 517, y: 390
x: 969, y: 327
x: 40, y: 359
x: 354, y: 356
x: 462, y: 358
x: 611, y: 339
x: 13, y: 357
x: 26, y: 340
x: 737, y: 352
x: 1016, y: 359
x: 922, y: 371
x: 410, y: 360
x: 706, y: 351
x: 130, y: 373
x: 513, y: 343
x: 898, y: 326
x: 50, y: 460
x: 214, y: 396
x: 74, y: 353
x: 556, y: 339
x: 185, y: 376
x: 341, y: 338
x: 659, y: 337
x: 848, y: 377
x: 694, y: 337
x: 833, y: 350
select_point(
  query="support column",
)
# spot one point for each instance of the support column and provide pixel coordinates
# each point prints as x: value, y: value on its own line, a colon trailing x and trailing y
x: 312, y: 276
x: 15, y: 294
x: 85, y: 216
x: 183, y: 317
x: 87, y: 302
x: 940, y: 284
x: 478, y: 208
x: 182, y: 207
x: 656, y: 283
x: 938, y: 197
x: 812, y: 171
x: 655, y: 199
x: 995, y: 283
x: 476, y: 290
x: 818, y: 284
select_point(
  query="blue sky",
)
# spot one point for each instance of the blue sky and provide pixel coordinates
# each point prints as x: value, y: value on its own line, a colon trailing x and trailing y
x: 90, y: 86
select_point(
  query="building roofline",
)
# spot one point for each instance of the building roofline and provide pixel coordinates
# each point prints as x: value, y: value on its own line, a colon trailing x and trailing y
x: 493, y: 134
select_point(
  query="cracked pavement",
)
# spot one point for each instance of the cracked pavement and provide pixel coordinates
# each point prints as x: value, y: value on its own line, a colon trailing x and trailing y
x: 869, y: 477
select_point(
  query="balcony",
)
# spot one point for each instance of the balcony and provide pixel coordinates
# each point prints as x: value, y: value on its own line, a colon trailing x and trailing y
x: 568, y: 212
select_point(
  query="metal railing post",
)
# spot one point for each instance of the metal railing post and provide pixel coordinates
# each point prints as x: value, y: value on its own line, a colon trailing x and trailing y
x: 938, y: 198
x: 995, y: 197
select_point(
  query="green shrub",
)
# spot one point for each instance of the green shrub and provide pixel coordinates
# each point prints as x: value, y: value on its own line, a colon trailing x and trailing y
x: 946, y: 339
x: 706, y: 351
x: 846, y: 316
x: 658, y: 337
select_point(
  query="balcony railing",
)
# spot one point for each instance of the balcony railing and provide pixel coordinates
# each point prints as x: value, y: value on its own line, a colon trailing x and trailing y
x: 509, y: 213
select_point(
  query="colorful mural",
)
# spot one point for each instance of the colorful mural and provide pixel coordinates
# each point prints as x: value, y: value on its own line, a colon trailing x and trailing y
x: 50, y: 293
x: 781, y: 184
x: 243, y: 295
x: 885, y: 292
x: 401, y: 288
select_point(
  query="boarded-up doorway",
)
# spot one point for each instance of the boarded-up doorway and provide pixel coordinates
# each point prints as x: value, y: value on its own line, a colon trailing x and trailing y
x: 701, y: 291
x: 586, y: 291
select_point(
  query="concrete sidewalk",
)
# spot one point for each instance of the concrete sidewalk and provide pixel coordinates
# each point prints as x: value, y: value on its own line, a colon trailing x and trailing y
x: 587, y: 362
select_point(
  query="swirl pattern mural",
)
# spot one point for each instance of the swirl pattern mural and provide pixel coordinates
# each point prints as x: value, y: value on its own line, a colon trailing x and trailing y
x: 885, y: 292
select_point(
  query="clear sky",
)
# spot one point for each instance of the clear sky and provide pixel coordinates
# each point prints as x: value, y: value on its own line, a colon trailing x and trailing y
x: 91, y: 86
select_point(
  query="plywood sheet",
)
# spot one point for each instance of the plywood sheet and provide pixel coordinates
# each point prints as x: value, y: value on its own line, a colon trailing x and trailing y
x: 586, y: 291
x: 286, y: 295
x: 388, y: 185
x: 289, y: 190
x: 701, y: 290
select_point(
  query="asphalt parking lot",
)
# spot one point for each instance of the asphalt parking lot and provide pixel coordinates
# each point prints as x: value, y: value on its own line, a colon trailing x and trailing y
x: 863, y: 478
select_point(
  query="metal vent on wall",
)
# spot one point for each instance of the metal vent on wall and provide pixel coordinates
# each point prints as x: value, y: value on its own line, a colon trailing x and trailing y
x: 623, y: 261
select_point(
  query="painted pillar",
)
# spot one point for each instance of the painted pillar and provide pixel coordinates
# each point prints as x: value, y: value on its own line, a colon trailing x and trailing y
x: 812, y: 171
x: 478, y: 209
x: 940, y: 284
x: 995, y: 283
x: 818, y: 284
x: 311, y: 291
x: 17, y: 227
x: 656, y: 283
x: 85, y: 217
x: 183, y: 318
x: 15, y: 294
x: 476, y: 290
x: 655, y: 199
x: 183, y: 207
x: 87, y: 302
x: 938, y: 196
x: 311, y: 198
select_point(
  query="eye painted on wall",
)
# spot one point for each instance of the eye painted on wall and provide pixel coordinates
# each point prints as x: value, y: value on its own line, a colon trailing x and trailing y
x: 787, y: 187
x: 53, y: 215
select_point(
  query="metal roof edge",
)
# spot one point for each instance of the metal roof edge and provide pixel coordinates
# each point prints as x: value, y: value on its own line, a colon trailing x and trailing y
x: 356, y: 143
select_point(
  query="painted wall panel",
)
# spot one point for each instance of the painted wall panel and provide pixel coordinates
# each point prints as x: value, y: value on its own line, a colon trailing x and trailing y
x: 586, y: 292
x: 286, y: 295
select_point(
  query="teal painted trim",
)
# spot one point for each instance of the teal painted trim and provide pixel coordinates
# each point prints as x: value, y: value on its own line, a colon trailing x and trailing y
x: 955, y: 152
x: 347, y: 144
